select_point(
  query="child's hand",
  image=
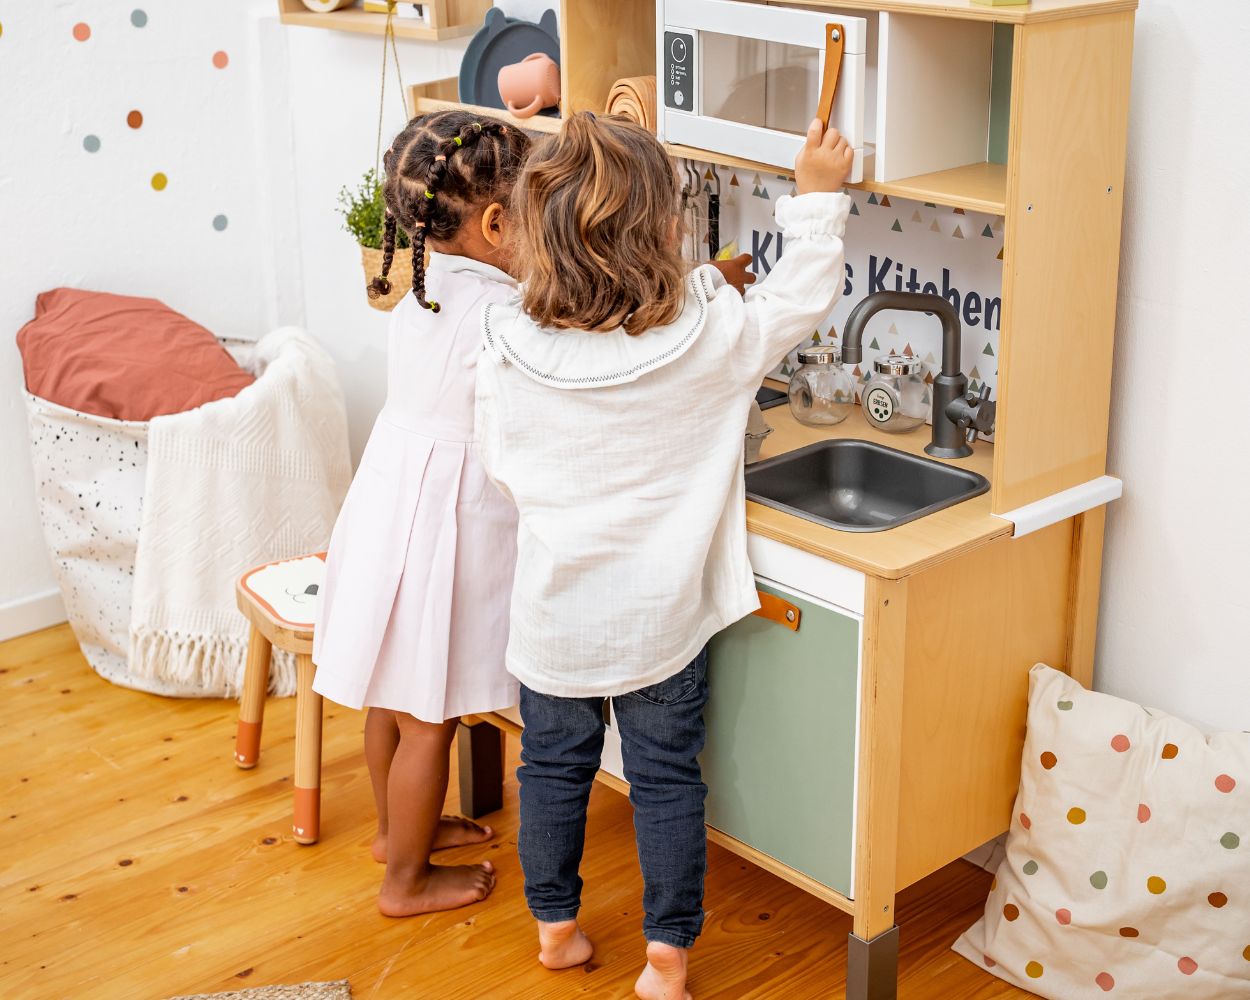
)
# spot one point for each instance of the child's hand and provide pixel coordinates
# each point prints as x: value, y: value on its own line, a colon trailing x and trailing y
x: 735, y: 271
x: 824, y: 163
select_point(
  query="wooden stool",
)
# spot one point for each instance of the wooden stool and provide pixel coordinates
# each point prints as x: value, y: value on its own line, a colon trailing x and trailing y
x: 279, y: 600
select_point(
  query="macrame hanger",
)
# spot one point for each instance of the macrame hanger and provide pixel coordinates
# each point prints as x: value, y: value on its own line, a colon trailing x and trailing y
x: 388, y: 42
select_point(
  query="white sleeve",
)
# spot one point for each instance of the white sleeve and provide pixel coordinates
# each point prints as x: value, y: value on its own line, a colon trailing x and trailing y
x: 784, y: 308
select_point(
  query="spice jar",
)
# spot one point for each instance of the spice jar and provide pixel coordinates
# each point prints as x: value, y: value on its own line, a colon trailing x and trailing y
x: 893, y: 398
x: 822, y: 392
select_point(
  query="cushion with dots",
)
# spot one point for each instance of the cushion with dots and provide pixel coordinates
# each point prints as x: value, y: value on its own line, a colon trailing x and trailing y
x: 123, y: 357
x: 1128, y: 860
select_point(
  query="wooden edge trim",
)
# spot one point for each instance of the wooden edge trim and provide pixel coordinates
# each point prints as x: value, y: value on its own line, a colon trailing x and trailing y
x: 782, y: 870
x: 779, y: 610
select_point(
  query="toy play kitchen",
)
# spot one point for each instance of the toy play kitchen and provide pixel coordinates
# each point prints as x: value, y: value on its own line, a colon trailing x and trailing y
x: 867, y: 729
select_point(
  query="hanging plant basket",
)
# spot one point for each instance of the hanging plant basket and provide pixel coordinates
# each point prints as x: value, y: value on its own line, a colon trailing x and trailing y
x: 400, y: 276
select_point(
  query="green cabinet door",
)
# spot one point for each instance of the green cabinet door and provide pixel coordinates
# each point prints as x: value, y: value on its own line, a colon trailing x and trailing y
x: 781, y: 726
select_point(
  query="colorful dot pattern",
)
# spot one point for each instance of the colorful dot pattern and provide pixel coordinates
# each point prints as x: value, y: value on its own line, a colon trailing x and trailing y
x: 139, y: 18
x: 1108, y: 793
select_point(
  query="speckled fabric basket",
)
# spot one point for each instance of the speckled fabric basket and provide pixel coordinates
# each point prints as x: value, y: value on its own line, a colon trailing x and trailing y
x: 89, y: 480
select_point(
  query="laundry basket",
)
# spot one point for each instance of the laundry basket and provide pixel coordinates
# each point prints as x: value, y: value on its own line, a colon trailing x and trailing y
x: 149, y: 523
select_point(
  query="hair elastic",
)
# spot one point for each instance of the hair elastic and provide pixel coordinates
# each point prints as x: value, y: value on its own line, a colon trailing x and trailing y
x: 440, y: 157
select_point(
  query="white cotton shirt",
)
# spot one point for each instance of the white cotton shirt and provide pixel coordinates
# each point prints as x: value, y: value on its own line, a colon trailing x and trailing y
x: 624, y: 456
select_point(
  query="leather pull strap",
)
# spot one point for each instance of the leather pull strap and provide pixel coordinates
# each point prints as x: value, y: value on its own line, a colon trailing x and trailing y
x: 779, y: 610
x: 835, y: 45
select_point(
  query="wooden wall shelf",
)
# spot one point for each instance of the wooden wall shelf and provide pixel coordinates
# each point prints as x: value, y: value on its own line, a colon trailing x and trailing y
x: 440, y: 95
x: 464, y: 18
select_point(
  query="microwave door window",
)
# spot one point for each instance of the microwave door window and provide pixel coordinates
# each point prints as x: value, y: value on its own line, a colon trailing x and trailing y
x: 765, y: 84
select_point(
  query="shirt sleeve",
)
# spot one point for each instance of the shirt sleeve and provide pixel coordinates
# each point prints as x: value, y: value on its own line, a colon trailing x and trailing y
x: 784, y: 308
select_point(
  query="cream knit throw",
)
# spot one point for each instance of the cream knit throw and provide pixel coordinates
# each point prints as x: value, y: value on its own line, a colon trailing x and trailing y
x: 230, y: 485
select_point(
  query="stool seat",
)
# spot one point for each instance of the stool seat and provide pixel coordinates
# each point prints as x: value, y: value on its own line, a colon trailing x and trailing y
x: 279, y: 600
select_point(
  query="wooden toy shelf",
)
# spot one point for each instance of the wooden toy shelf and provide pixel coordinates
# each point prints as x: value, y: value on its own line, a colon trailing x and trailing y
x: 452, y: 19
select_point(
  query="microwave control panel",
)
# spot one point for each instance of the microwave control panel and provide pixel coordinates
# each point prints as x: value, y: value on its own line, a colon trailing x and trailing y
x: 679, y: 71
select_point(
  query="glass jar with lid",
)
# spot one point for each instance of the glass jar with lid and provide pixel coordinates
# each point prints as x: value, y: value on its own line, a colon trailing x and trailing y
x: 894, y: 397
x: 822, y: 392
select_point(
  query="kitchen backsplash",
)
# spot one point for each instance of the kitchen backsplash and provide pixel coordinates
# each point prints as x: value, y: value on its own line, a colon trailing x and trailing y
x: 891, y: 244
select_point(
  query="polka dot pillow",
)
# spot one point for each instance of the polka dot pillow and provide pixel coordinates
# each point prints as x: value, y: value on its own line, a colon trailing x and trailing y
x: 1128, y: 862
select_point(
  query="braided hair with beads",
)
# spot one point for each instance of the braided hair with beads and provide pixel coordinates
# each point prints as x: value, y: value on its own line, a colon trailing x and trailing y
x: 439, y: 168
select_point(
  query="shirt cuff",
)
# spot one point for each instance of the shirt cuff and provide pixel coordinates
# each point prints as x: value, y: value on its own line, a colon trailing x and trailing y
x: 817, y: 213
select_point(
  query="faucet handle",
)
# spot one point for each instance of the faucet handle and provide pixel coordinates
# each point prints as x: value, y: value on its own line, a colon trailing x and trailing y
x: 982, y: 412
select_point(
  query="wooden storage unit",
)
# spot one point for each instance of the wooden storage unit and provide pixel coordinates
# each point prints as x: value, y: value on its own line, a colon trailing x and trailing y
x: 448, y: 19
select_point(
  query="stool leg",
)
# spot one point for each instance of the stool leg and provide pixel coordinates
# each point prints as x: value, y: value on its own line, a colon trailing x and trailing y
x: 307, y: 824
x: 480, y: 749
x: 252, y: 702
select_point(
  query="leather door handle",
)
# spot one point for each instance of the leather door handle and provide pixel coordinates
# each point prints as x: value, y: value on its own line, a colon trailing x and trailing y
x: 779, y: 610
x: 835, y: 45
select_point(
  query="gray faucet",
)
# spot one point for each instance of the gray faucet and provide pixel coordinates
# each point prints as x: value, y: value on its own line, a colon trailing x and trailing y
x: 957, y: 418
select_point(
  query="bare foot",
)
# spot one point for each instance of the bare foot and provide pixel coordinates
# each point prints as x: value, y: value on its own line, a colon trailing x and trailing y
x: 440, y: 887
x: 456, y: 832
x: 452, y: 832
x: 664, y: 978
x: 562, y: 945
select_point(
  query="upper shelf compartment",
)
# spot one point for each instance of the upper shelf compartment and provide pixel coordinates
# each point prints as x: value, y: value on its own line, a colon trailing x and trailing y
x: 1032, y: 13
x: 448, y: 19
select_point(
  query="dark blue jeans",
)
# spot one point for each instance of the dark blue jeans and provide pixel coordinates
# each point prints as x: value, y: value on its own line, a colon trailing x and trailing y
x: 662, y: 734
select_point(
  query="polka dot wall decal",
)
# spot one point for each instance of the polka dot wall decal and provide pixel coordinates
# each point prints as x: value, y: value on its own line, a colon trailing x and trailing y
x: 220, y: 60
x: 1098, y: 880
x: 1170, y: 750
x: 82, y: 31
x: 134, y: 119
x: 139, y: 18
x: 1076, y: 815
x: 91, y: 143
x: 1049, y: 760
x: 1143, y: 813
x: 1230, y: 841
x: 159, y: 181
x: 1025, y: 821
x: 1120, y: 743
x: 1034, y: 970
x: 1218, y: 900
x: 1030, y: 868
x: 1011, y: 911
x: 1156, y: 886
x: 1225, y: 783
x: 220, y: 222
x: 1064, y: 706
x: 1129, y: 932
x: 1246, y: 954
x: 1187, y: 965
x: 1104, y: 982
x: 1064, y: 917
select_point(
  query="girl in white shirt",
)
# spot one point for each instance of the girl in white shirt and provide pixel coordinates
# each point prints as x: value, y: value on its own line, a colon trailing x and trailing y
x: 611, y: 407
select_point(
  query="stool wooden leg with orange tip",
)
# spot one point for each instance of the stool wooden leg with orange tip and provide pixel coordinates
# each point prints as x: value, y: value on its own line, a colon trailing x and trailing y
x: 279, y: 601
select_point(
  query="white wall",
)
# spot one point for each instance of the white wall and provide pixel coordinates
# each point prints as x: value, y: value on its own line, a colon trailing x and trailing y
x: 1176, y: 578
x: 72, y: 217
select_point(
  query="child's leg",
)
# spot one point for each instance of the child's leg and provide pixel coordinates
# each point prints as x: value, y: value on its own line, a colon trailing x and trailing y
x: 560, y: 750
x: 415, y: 791
x: 661, y: 737
x: 381, y: 739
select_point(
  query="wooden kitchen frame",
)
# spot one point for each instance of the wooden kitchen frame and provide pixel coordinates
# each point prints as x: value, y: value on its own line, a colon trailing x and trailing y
x: 955, y: 608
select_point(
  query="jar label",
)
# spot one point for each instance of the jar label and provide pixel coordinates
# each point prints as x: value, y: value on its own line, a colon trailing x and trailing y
x: 879, y: 405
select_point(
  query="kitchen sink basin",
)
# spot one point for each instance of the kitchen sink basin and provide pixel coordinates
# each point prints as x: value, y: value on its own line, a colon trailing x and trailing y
x: 859, y: 486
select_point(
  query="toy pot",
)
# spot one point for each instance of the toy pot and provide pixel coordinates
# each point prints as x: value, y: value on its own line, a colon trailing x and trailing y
x: 530, y: 85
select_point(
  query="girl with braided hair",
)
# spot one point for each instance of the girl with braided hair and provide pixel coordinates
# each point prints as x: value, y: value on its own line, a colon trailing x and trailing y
x: 413, y: 620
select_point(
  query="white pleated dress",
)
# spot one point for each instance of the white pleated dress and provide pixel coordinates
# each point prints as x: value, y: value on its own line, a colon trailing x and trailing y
x: 414, y: 612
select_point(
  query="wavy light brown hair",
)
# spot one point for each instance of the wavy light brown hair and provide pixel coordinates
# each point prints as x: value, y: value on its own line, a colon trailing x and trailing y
x: 438, y: 169
x: 595, y: 214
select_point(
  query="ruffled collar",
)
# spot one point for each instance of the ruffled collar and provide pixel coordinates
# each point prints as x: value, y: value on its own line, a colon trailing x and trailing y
x: 573, y: 359
x: 453, y: 263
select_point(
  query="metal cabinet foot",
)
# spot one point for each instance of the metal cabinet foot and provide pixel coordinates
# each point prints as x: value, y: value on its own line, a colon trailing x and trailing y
x: 872, y: 967
x: 479, y: 749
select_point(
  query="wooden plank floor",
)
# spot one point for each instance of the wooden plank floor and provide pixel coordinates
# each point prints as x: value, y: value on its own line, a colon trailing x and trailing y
x: 137, y: 861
